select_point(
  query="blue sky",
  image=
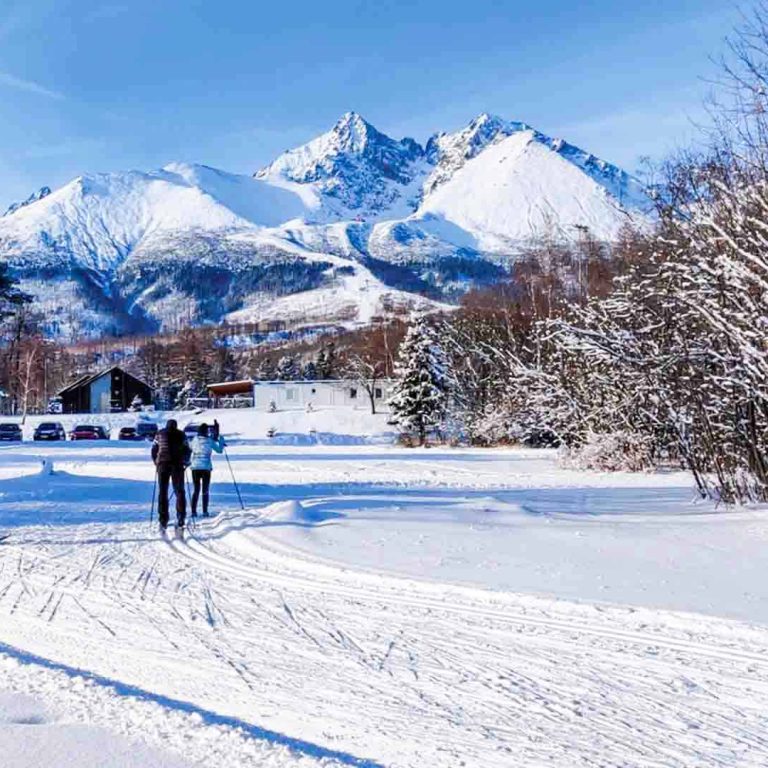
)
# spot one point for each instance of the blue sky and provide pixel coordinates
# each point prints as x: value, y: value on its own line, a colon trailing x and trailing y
x: 97, y: 85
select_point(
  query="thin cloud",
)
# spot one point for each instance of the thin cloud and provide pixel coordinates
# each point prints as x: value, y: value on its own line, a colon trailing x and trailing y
x: 28, y: 86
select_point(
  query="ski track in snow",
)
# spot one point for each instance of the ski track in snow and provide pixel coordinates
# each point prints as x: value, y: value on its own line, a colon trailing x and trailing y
x: 233, y: 647
x: 266, y: 657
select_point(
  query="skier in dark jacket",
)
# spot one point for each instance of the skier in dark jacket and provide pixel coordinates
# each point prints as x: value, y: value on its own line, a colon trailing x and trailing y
x: 171, y: 453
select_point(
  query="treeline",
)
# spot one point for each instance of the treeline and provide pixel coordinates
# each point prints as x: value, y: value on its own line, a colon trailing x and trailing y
x: 455, y: 374
x: 178, y: 366
x: 31, y: 366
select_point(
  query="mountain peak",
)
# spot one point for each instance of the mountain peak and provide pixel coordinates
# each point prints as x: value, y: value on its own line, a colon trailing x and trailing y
x: 450, y: 151
x: 353, y: 132
x: 33, y: 198
x: 351, y: 117
x: 352, y: 121
x: 354, y: 165
x: 486, y: 118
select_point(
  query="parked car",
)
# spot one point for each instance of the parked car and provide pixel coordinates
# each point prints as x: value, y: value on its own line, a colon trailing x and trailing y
x: 10, y: 433
x: 50, y: 430
x: 88, y: 432
x: 146, y: 429
x: 129, y: 433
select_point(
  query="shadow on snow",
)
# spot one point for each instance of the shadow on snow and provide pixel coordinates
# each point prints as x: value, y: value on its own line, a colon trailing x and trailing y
x: 208, y: 717
x: 72, y: 499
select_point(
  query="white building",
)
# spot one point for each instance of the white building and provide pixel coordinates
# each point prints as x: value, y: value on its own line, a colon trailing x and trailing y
x: 325, y: 393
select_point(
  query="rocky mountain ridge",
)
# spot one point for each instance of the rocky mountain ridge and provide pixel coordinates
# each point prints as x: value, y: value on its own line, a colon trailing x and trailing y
x: 351, y: 225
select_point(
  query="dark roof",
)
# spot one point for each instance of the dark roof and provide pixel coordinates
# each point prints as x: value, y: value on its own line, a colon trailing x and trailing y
x: 91, y: 377
x: 76, y: 383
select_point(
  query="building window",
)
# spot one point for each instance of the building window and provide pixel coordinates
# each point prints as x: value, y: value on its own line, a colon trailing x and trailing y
x: 352, y: 393
x: 377, y: 393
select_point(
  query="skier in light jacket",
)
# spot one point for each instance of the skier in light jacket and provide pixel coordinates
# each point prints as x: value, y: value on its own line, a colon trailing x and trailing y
x: 203, y: 445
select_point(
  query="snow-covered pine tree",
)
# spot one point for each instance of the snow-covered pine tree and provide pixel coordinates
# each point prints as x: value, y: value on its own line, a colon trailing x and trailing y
x: 326, y: 362
x: 420, y: 398
x: 266, y: 370
x: 287, y: 369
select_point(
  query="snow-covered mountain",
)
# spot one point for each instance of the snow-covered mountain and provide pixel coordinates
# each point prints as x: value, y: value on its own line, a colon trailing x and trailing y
x: 348, y: 226
x: 33, y: 198
x: 450, y: 152
x: 356, y: 170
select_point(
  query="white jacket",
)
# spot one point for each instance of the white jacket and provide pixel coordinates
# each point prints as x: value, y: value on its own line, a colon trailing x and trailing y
x: 202, y: 448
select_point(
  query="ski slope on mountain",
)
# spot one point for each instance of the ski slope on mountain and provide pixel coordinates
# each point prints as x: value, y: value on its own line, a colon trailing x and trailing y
x: 366, y: 608
x: 351, y: 295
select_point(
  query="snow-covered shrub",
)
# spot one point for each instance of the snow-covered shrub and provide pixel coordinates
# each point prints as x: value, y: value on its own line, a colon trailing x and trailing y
x: 611, y: 452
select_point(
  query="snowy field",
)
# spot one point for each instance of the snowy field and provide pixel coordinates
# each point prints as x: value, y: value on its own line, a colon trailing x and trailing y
x: 375, y: 606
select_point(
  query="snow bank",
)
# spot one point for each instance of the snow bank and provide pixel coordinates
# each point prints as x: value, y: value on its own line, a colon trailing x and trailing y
x: 31, y: 737
x: 293, y: 512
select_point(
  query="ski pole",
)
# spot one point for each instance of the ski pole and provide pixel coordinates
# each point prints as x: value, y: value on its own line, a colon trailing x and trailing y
x: 232, y: 472
x: 154, y: 492
x: 189, y: 496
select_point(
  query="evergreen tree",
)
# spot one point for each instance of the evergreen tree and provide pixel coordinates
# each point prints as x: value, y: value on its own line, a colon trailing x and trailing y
x: 11, y: 298
x: 321, y: 366
x: 420, y: 397
x: 266, y: 370
x: 326, y: 362
x: 287, y: 369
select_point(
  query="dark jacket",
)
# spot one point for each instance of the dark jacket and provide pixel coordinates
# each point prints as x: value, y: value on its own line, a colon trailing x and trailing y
x: 170, y: 447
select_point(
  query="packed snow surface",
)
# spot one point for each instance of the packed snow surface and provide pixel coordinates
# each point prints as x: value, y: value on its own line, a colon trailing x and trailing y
x: 379, y: 606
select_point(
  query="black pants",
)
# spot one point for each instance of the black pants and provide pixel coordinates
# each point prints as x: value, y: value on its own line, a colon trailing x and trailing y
x: 171, y: 473
x: 200, y: 477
